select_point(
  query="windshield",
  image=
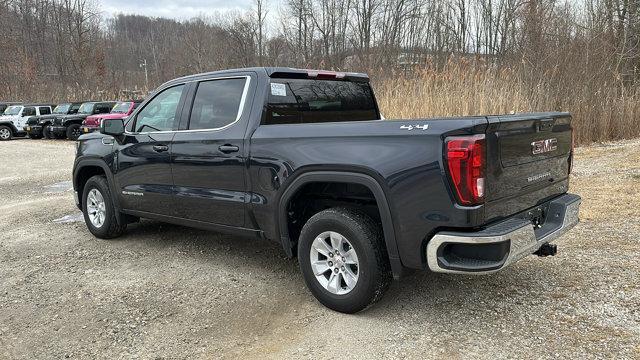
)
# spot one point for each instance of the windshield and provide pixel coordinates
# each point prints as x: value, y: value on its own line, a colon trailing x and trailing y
x: 62, y: 109
x: 86, y: 108
x: 121, y: 108
x: 13, y: 110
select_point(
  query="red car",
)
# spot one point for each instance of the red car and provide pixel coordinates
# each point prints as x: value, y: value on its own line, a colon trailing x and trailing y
x: 120, y: 111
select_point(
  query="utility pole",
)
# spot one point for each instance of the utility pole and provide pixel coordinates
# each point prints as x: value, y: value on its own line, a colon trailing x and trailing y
x: 143, y: 64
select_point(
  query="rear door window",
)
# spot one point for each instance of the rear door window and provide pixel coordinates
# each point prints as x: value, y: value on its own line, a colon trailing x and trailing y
x: 45, y: 110
x: 217, y: 103
x: 302, y: 101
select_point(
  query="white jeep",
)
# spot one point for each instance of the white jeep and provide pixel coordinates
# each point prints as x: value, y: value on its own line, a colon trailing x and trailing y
x: 14, y: 119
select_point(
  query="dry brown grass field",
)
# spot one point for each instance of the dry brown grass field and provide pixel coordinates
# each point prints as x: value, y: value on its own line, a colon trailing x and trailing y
x: 601, y: 111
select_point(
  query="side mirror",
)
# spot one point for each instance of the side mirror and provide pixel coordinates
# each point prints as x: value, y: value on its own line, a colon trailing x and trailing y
x: 113, y: 127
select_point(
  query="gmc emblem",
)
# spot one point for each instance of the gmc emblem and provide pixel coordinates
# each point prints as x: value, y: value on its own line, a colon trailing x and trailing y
x: 543, y: 146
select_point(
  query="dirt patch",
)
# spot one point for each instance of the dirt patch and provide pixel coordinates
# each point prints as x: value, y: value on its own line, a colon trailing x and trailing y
x: 164, y: 291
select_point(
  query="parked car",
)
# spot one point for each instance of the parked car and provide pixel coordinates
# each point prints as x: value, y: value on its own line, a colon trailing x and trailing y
x: 15, y: 117
x: 5, y: 105
x: 70, y: 126
x: 120, y: 111
x: 302, y: 158
x: 38, y: 126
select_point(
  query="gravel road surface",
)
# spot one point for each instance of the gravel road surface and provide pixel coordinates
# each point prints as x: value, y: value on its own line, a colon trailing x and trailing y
x: 165, y: 291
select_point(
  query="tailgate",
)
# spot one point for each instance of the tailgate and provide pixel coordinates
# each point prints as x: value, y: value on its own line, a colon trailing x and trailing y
x: 528, y: 161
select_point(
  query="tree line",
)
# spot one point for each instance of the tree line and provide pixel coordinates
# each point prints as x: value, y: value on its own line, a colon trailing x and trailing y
x: 59, y: 49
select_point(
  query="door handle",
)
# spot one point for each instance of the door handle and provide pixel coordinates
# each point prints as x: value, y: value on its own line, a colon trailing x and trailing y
x: 228, y: 148
x: 160, y: 148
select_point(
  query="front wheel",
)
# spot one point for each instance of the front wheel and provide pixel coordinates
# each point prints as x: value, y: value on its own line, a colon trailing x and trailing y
x: 99, y: 213
x: 34, y: 136
x: 5, y: 133
x: 46, y: 133
x: 73, y: 132
x: 343, y: 259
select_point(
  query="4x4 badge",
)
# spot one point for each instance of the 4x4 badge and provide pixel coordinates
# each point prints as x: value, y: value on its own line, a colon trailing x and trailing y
x: 411, y: 127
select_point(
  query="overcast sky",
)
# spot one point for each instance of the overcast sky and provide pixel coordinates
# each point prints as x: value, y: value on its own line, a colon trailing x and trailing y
x: 176, y: 9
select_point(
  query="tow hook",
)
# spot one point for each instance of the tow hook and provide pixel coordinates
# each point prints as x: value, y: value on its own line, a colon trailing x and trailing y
x: 547, y: 250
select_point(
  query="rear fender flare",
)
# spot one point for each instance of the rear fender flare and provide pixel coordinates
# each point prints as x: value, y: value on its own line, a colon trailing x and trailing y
x: 341, y: 177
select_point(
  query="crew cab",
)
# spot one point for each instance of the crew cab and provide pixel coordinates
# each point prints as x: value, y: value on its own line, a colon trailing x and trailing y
x: 15, y: 117
x: 303, y: 158
x: 120, y: 111
x: 70, y: 126
x: 38, y: 126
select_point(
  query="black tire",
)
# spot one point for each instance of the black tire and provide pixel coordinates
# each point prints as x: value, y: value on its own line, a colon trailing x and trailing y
x: 73, y: 132
x: 5, y: 133
x: 365, y: 236
x: 110, y: 228
x: 46, y: 133
x: 34, y: 136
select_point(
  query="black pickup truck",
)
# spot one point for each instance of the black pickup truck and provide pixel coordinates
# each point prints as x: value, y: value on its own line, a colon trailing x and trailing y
x: 302, y: 158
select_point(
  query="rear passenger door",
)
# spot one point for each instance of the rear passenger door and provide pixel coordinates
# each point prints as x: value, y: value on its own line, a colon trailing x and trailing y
x: 208, y: 153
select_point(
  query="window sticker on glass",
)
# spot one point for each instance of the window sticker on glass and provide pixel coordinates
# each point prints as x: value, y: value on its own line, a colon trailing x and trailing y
x: 278, y: 89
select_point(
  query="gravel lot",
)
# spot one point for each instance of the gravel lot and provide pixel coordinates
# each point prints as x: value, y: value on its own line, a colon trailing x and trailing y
x: 165, y: 291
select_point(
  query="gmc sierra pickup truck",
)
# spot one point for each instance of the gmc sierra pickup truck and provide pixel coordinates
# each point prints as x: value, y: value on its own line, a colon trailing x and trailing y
x: 303, y: 158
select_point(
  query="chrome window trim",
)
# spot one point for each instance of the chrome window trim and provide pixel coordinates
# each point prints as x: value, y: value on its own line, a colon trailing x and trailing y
x: 243, y: 100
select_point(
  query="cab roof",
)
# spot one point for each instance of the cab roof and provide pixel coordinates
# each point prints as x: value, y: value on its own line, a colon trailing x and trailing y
x: 281, y: 72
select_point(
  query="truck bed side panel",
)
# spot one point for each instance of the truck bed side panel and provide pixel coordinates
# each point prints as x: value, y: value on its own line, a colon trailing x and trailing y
x: 406, y: 163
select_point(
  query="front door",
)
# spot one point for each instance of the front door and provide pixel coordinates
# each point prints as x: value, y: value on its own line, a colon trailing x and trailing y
x: 209, y: 155
x: 143, y: 173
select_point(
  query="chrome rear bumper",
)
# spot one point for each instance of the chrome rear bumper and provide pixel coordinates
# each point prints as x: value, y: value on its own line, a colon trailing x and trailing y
x: 504, y: 243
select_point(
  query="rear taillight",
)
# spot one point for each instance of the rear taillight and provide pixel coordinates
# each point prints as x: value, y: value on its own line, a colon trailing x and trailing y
x: 466, y: 163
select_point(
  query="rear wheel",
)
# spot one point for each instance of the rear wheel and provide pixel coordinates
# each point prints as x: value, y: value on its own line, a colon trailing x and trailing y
x: 73, y: 132
x: 343, y: 259
x: 5, y: 133
x: 99, y: 213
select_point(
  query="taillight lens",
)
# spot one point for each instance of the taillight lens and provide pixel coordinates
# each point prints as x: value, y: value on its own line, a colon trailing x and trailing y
x: 466, y: 163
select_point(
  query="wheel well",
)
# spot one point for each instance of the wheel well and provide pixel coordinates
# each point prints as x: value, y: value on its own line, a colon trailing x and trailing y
x: 84, y: 174
x: 314, y: 197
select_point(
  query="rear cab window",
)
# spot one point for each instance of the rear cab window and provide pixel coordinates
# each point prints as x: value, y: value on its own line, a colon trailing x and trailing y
x: 304, y: 101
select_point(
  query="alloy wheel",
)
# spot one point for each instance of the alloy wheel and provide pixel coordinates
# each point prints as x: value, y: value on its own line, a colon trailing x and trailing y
x: 96, y: 208
x: 334, y: 262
